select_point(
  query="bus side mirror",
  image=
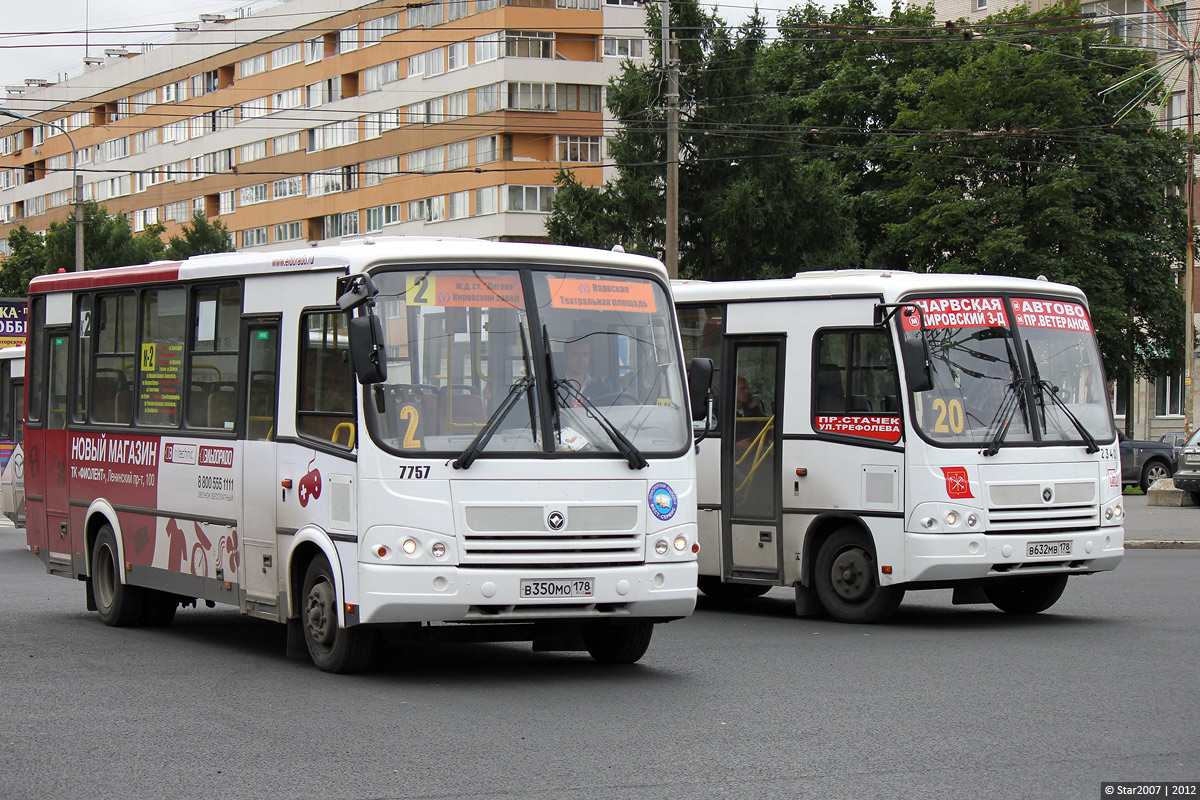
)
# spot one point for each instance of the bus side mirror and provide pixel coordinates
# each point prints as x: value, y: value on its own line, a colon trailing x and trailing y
x: 700, y: 374
x: 915, y: 353
x: 366, y: 349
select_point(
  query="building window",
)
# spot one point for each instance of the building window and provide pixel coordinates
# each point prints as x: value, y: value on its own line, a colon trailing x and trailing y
x: 252, y: 109
x: 252, y: 66
x: 289, y: 231
x: 379, y: 216
x: 487, y: 98
x: 314, y: 50
x: 177, y: 212
x: 375, y: 172
x: 456, y: 56
x: 578, y: 97
x: 335, y: 134
x: 487, y: 149
x: 531, y: 96
x: 332, y: 181
x: 623, y: 46
x: 528, y: 44
x: 288, y: 187
x: 326, y: 91
x: 254, y: 237
x: 348, y: 39
x: 581, y: 149
x: 485, y: 200
x: 227, y: 203
x: 375, y: 29
x: 458, y: 205
x: 425, y: 15
x: 258, y: 193
x: 458, y: 155
x: 456, y: 9
x: 487, y: 47
x: 528, y: 198
x: 285, y: 56
x: 1168, y: 395
x: 288, y: 143
x: 375, y: 77
x: 289, y: 98
x: 253, y: 151
x: 345, y: 224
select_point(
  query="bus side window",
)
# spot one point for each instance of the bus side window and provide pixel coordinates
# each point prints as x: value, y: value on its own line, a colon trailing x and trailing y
x: 855, y: 373
x: 326, y: 382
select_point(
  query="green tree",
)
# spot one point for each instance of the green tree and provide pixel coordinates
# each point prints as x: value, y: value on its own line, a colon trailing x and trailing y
x: 201, y: 237
x: 26, y: 260
x: 108, y: 241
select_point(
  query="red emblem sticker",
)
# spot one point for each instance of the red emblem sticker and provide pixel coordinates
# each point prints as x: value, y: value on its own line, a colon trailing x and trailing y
x: 958, y: 485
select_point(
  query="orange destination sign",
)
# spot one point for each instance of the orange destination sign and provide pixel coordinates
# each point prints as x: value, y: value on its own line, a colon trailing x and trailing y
x: 593, y: 295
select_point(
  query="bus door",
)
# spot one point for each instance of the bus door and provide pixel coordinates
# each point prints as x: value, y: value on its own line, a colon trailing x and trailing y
x: 750, y: 459
x: 55, y: 453
x: 260, y: 484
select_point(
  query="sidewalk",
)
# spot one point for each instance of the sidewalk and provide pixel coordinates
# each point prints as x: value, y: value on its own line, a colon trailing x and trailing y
x: 1160, y: 527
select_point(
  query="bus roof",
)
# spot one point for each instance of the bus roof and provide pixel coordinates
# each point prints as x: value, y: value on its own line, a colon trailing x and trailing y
x: 16, y: 351
x: 352, y: 255
x: 890, y: 285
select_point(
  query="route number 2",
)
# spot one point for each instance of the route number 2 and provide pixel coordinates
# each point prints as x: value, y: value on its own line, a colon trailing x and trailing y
x: 410, y: 415
x: 952, y: 412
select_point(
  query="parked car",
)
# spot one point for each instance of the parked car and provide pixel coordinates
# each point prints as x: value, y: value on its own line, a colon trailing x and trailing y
x: 1187, y: 477
x: 1144, y: 462
x: 1176, y: 440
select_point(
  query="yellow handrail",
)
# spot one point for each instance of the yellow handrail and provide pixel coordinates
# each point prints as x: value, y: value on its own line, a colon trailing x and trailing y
x: 348, y: 426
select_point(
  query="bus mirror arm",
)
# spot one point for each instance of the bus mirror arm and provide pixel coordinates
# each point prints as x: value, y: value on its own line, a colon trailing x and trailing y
x: 354, y: 290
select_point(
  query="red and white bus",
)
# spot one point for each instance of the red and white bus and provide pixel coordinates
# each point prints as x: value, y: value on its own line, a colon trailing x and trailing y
x: 196, y: 432
x: 879, y: 432
x: 12, y: 431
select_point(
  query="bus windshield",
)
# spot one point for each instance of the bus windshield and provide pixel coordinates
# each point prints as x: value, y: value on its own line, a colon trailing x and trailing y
x: 1009, y: 370
x: 546, y: 361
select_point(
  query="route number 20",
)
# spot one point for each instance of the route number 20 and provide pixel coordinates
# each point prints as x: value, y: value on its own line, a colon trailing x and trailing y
x: 951, y: 412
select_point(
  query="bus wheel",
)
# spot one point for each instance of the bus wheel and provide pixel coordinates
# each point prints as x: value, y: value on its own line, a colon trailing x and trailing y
x: 847, y: 580
x: 118, y: 604
x: 158, y: 608
x: 618, y: 644
x: 1027, y: 595
x: 717, y: 589
x: 331, y: 647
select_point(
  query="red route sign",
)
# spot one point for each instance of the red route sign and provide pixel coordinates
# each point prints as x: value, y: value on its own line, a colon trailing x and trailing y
x: 1062, y: 315
x: 883, y: 429
x: 956, y: 312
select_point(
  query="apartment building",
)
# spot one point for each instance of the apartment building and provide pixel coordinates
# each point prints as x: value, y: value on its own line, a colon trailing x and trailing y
x: 313, y: 120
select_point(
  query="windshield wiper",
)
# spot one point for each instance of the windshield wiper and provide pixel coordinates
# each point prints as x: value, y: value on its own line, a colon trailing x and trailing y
x: 624, y: 446
x: 1014, y: 398
x: 471, y: 451
x: 1045, y: 388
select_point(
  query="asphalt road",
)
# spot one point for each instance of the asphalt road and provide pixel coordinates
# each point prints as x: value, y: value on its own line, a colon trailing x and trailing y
x: 1145, y: 522
x: 746, y: 702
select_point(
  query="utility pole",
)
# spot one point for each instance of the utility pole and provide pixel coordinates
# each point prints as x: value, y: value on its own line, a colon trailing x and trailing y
x: 671, y: 70
x: 1189, y: 263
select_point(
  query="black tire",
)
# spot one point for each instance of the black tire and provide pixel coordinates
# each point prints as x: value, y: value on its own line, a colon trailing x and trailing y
x: 717, y: 589
x: 158, y: 608
x: 1029, y: 595
x: 118, y: 604
x: 1196, y: 498
x: 1153, y: 471
x: 331, y: 647
x: 847, y: 580
x: 618, y: 644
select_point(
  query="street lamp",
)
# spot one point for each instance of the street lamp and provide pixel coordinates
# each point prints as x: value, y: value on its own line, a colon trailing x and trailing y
x: 77, y: 181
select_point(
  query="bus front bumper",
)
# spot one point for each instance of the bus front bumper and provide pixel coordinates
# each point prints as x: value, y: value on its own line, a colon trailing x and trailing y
x: 392, y: 594
x: 954, y: 557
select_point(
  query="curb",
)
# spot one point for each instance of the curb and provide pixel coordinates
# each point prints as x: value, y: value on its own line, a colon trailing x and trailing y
x: 1161, y: 545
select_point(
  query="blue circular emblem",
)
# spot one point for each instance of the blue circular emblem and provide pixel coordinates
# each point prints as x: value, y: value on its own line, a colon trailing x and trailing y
x: 663, y: 501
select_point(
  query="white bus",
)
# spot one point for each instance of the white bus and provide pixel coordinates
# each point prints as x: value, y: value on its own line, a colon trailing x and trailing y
x: 884, y: 431
x: 12, y: 430
x: 195, y: 432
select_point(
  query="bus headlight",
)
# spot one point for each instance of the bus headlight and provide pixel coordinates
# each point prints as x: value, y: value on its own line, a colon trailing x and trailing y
x: 660, y: 547
x: 951, y: 517
x: 438, y: 549
x: 409, y: 546
x: 972, y: 520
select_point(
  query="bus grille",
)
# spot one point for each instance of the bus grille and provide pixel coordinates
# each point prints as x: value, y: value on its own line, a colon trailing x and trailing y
x: 508, y: 535
x: 1042, y: 518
